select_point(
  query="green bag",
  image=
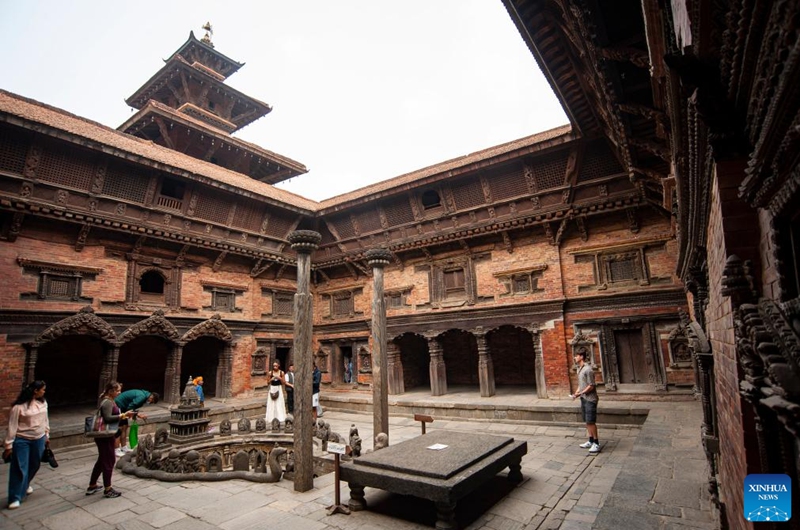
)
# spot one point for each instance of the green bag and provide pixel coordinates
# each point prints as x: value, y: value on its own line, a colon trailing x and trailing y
x: 133, y: 434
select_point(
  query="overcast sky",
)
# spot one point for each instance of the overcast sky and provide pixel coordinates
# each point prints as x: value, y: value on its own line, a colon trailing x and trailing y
x: 361, y: 90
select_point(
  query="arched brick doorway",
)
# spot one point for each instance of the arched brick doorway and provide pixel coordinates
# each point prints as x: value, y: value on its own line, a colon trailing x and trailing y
x: 71, y: 368
x: 143, y: 362
x: 461, y: 357
x: 201, y: 357
x: 415, y: 359
x: 513, y: 356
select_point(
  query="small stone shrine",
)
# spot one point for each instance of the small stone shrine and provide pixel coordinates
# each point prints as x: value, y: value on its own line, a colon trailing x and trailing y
x: 189, y: 421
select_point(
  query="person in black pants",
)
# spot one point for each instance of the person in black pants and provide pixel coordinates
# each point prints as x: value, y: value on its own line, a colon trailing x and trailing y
x: 105, y: 446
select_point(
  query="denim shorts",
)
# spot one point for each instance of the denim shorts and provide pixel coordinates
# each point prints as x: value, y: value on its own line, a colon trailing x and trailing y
x: 589, y: 411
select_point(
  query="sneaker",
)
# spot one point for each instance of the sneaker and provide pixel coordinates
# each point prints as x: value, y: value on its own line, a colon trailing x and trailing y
x: 111, y: 493
x: 594, y: 449
x: 585, y: 445
x: 29, y: 490
x: 13, y: 505
x: 126, y: 449
x: 119, y: 452
x: 91, y: 490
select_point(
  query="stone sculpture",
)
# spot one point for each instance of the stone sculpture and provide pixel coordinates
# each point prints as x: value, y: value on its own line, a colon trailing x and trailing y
x: 225, y: 428
x: 261, y: 425
x: 244, y: 426
x: 355, y: 441
x: 241, y: 461
x: 276, y: 425
x: 288, y: 425
x: 173, y: 463
x: 161, y: 437
x: 214, y: 463
x: 381, y: 441
x: 192, y: 462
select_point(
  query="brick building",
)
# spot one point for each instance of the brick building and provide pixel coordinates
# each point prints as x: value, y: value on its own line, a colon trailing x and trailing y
x: 658, y: 230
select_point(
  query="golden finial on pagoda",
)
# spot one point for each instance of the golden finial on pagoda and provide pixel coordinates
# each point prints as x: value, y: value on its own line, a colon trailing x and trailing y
x: 209, y: 32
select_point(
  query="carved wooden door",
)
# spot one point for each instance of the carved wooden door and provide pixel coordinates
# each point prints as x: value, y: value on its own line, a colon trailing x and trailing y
x: 630, y: 356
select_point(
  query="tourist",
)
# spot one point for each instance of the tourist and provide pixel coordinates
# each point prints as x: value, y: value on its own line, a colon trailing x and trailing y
x: 28, y: 434
x: 587, y: 391
x: 276, y: 404
x: 317, y: 379
x: 198, y: 386
x: 131, y: 400
x: 289, y: 386
x: 105, y: 446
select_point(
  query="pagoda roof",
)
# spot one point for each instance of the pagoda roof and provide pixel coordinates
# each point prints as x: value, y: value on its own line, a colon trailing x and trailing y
x: 225, y: 66
x: 59, y: 123
x: 245, y: 111
x: 285, y: 167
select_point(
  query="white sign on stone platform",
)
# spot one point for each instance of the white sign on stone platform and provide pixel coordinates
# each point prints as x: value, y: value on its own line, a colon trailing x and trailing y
x: 336, y: 448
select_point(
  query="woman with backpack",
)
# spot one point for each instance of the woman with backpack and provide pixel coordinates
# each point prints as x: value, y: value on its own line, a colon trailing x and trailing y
x: 105, y: 445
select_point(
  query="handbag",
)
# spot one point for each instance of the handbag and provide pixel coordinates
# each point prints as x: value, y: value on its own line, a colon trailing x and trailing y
x: 95, y: 427
x: 48, y: 457
x: 275, y: 393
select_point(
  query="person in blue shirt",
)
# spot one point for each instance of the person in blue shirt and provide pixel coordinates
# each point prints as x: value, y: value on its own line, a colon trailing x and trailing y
x: 130, y: 401
x: 198, y: 385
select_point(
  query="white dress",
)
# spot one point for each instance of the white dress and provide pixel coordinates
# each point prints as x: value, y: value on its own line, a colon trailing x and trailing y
x: 276, y: 408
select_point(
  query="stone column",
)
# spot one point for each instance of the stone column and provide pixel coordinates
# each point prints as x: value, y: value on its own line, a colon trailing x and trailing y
x: 538, y: 366
x: 485, y: 364
x: 227, y: 366
x: 108, y: 371
x: 378, y: 258
x: 395, y: 364
x: 30, y: 364
x: 172, y: 383
x: 304, y: 242
x: 437, y: 368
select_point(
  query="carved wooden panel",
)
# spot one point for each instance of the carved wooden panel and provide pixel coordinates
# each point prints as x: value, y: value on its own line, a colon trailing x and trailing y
x: 213, y: 207
x: 280, y: 224
x: 398, y: 211
x: 249, y: 215
x: 368, y: 221
x: 343, y: 225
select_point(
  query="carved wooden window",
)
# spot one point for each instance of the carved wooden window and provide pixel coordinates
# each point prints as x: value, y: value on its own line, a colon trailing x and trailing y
x: 599, y: 162
x: 171, y: 194
x: 57, y: 282
x: 66, y: 165
x: 506, y: 185
x: 280, y: 224
x: 394, y: 300
x: 468, y: 194
x: 521, y: 283
x: 126, y: 182
x: 223, y: 300
x: 213, y: 207
x: 151, y: 287
x: 282, y: 303
x: 430, y: 199
x: 258, y: 361
x: 789, y: 253
x: 455, y: 285
x: 621, y: 270
x: 249, y: 215
x: 398, y: 212
x: 343, y: 304
x: 13, y: 150
x: 550, y: 172
x: 368, y: 221
x: 343, y: 225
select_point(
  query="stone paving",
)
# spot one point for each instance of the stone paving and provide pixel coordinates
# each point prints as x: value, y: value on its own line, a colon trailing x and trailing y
x: 652, y: 476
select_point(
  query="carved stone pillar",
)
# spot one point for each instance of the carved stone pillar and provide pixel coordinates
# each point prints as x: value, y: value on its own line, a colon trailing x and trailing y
x: 30, y: 364
x: 538, y: 366
x: 378, y: 258
x: 172, y: 382
x: 108, y: 372
x: 437, y: 367
x: 485, y: 364
x: 395, y: 363
x: 304, y: 242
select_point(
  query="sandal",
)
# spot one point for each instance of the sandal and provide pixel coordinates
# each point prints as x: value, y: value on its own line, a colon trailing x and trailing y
x: 111, y: 493
x: 91, y: 490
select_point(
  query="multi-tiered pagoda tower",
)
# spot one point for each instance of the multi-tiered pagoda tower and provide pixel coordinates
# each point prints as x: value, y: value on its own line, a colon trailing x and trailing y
x: 186, y: 106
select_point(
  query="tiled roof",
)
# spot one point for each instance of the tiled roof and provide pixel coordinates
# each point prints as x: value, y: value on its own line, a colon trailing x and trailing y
x: 34, y: 111
x: 448, y: 165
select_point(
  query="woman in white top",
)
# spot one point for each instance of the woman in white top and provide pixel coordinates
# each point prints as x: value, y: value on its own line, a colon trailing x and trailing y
x: 28, y: 433
x: 276, y: 403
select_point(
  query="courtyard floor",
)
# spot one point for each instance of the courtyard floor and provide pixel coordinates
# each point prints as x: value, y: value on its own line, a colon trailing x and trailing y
x: 651, y: 476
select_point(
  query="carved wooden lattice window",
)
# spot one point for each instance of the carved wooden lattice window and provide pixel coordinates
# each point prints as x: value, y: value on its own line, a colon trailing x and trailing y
x: 393, y: 300
x: 279, y: 225
x: 171, y: 195
x: 126, y: 182
x: 368, y: 221
x: 68, y: 166
x: 789, y: 253
x: 282, y: 303
x: 507, y: 185
x: 13, y: 150
x: 343, y: 304
x: 223, y: 300
x: 213, y: 207
x: 468, y: 194
x: 599, y: 162
x: 249, y: 215
x: 57, y: 282
x: 430, y: 199
x: 343, y: 225
x: 398, y: 212
x: 522, y: 283
x: 550, y: 172
x: 621, y: 270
